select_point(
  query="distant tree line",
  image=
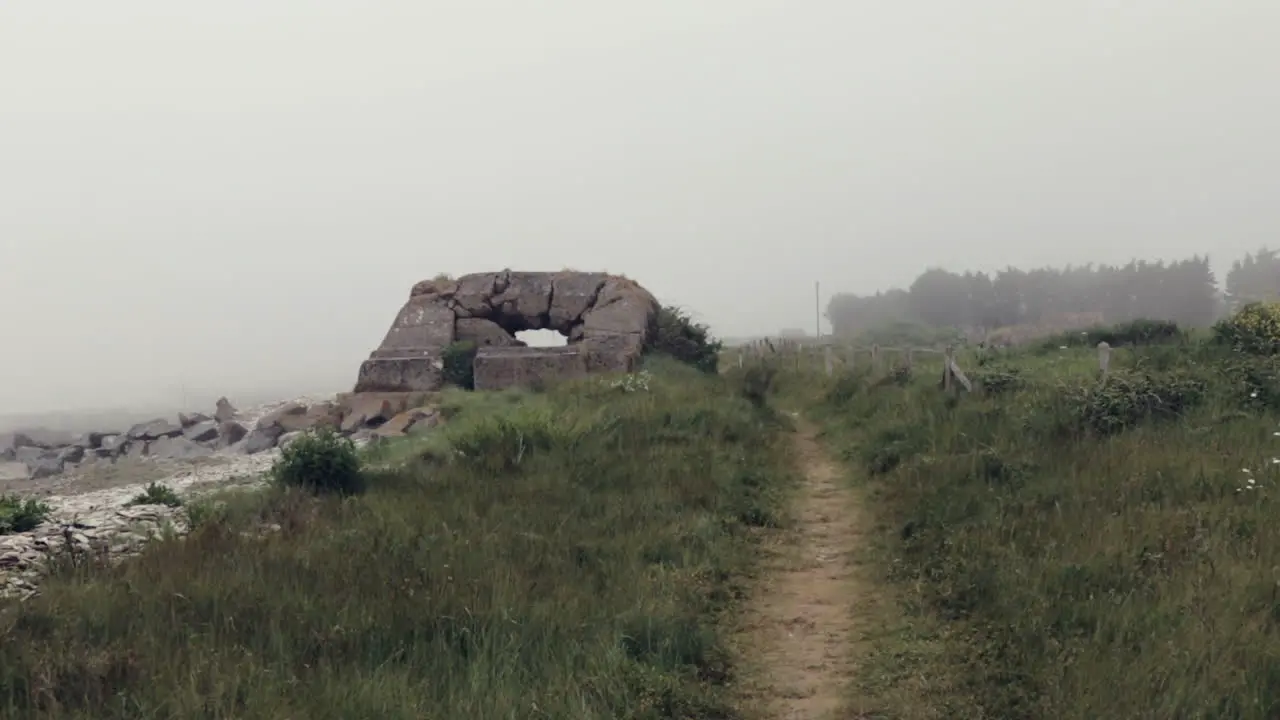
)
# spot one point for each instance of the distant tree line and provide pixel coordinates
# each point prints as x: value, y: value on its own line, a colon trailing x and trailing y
x: 1184, y: 291
x: 1254, y: 278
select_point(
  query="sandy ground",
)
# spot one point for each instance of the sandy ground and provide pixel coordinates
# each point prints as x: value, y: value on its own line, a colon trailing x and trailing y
x: 797, y: 634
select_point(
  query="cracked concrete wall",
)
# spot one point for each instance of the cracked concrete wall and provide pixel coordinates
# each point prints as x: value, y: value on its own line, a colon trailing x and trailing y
x: 606, y: 318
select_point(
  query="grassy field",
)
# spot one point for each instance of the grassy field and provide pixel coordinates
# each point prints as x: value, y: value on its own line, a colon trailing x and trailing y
x: 562, y: 555
x: 1069, y: 549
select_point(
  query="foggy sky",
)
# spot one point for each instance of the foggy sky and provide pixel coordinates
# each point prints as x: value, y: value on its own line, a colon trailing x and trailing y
x: 232, y: 196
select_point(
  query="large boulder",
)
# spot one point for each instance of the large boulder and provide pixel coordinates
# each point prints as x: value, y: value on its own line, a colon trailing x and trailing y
x: 296, y: 417
x: 261, y: 439
x: 45, y: 465
x: 177, y: 448
x: 621, y: 308
x: 114, y: 445
x: 153, y: 429
x: 422, y: 323
x: 525, y: 303
x: 573, y: 294
x: 367, y: 411
x: 202, y: 432
x: 225, y: 411
x: 230, y: 432
x: 413, y: 421
x: 91, y: 440
x: 186, y: 420
x: 484, y: 333
x: 10, y: 470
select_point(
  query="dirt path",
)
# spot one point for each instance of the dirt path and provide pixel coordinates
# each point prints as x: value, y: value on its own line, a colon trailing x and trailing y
x: 796, y: 641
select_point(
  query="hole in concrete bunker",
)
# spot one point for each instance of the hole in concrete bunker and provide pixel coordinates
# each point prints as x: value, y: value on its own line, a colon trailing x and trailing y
x: 542, y: 338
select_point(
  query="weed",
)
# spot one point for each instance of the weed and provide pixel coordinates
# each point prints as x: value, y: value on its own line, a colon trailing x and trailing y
x: 757, y: 382
x: 20, y: 515
x: 1000, y: 380
x: 157, y: 494
x: 1129, y: 398
x: 320, y: 461
x: 459, y: 365
x: 890, y: 446
x: 690, y: 342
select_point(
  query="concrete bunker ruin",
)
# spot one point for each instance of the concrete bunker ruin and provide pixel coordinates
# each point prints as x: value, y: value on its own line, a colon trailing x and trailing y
x: 606, y: 318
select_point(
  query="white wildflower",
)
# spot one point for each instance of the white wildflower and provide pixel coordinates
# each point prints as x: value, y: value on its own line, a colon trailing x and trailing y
x: 634, y: 382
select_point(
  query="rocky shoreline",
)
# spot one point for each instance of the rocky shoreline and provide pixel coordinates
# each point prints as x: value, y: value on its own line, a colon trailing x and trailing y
x: 190, y: 436
x: 98, y: 475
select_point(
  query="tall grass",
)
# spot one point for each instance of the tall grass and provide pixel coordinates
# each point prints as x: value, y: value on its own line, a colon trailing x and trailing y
x: 560, y: 555
x: 1089, y: 550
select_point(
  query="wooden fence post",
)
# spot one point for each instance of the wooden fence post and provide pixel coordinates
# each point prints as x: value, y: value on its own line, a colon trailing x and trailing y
x: 1104, y: 358
x: 947, y: 380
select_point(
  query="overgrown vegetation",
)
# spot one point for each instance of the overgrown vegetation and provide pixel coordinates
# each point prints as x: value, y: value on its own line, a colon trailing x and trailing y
x: 157, y: 494
x: 908, y: 334
x: 1135, y: 332
x: 459, y: 364
x: 320, y: 461
x: 679, y: 336
x: 1078, y: 548
x: 558, y: 555
x: 19, y: 514
x: 1255, y: 329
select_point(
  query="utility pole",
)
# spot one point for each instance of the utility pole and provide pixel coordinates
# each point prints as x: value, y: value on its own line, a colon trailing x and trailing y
x: 817, y: 312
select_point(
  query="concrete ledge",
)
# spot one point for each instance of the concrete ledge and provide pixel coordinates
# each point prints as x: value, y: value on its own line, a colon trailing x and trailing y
x: 616, y: 353
x: 400, y: 374
x: 503, y: 367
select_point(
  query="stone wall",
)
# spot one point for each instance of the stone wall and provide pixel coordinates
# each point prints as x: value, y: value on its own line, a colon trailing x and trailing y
x: 606, y: 318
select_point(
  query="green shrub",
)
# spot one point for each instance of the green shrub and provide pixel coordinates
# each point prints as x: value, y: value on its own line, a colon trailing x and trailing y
x: 459, y: 365
x: 1255, y: 381
x: 1134, y: 332
x: 1126, y: 399
x: 890, y: 447
x: 156, y: 494
x: 846, y: 387
x: 757, y: 382
x: 1000, y: 380
x: 690, y: 342
x: 320, y: 461
x: 19, y: 515
x: 1255, y: 328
